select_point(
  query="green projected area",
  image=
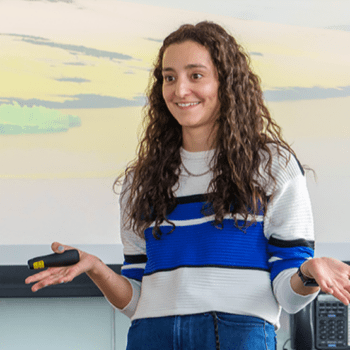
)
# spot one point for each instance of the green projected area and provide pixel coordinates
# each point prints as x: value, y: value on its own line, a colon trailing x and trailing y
x: 15, y: 120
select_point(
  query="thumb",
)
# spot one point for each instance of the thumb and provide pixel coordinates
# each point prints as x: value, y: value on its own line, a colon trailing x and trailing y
x: 59, y: 248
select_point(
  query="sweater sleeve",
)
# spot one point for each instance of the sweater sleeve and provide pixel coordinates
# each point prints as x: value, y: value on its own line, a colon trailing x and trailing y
x: 288, y: 226
x: 135, y: 256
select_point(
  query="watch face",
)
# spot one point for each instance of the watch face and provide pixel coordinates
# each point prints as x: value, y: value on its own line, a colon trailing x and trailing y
x: 308, y: 282
x: 311, y: 283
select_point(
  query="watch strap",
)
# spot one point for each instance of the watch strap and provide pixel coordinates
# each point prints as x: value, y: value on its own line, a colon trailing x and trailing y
x: 308, y: 282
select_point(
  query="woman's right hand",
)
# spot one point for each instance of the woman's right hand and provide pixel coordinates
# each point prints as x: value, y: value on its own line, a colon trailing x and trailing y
x: 64, y: 274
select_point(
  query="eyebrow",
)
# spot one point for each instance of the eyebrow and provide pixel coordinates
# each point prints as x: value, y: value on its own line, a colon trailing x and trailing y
x: 189, y: 66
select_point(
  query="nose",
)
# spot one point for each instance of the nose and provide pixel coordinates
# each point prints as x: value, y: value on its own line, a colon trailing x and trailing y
x: 182, y: 88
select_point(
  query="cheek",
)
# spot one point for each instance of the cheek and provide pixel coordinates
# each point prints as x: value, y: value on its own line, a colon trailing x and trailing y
x: 213, y: 97
x: 210, y: 91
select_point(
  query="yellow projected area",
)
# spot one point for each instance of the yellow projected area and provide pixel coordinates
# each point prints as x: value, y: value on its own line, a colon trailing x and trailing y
x: 99, y: 74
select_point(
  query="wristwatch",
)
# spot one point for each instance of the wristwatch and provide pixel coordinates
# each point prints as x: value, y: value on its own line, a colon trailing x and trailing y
x: 308, y: 282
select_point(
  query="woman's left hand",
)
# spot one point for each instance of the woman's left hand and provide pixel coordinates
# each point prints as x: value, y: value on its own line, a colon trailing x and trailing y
x: 332, y: 276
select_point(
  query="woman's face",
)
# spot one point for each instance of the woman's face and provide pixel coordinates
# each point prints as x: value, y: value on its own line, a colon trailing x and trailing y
x: 190, y: 87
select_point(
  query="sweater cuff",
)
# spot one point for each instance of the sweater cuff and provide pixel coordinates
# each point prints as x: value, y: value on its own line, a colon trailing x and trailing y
x: 130, y: 309
x: 290, y: 301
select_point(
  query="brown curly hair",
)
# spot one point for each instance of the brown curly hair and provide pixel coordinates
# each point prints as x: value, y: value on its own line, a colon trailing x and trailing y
x: 245, y: 128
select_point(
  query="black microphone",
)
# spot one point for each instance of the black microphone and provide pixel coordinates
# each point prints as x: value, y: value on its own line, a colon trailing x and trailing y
x: 69, y: 257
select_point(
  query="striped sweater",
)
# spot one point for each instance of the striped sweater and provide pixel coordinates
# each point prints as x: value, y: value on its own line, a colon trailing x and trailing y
x: 201, y: 268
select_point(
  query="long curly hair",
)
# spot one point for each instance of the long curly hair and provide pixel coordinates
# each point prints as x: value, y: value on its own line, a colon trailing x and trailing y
x: 244, y: 131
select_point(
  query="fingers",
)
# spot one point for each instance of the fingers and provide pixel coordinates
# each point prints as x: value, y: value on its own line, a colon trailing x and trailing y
x: 37, y: 277
x: 342, y: 295
x: 52, y: 276
x: 345, y: 291
x: 44, y: 278
x: 339, y: 289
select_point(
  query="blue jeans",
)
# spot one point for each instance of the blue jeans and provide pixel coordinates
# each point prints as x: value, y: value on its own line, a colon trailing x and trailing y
x: 197, y: 332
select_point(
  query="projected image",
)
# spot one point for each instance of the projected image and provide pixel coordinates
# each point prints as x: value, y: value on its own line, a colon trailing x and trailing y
x: 73, y: 77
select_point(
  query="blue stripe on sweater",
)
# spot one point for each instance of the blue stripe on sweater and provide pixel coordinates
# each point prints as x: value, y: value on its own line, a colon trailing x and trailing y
x: 205, y: 245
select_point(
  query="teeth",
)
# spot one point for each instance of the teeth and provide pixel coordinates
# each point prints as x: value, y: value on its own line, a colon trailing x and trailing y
x: 187, y: 104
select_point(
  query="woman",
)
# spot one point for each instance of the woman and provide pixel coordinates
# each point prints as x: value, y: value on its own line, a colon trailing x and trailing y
x: 216, y: 219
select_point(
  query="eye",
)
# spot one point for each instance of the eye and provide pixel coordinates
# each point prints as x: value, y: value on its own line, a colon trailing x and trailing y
x: 169, y: 78
x: 197, y: 76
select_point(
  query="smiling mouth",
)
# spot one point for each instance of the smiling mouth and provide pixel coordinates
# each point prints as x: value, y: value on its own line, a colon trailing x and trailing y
x: 188, y: 104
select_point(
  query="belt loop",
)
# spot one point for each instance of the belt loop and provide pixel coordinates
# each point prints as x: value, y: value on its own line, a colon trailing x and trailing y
x: 216, y: 329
